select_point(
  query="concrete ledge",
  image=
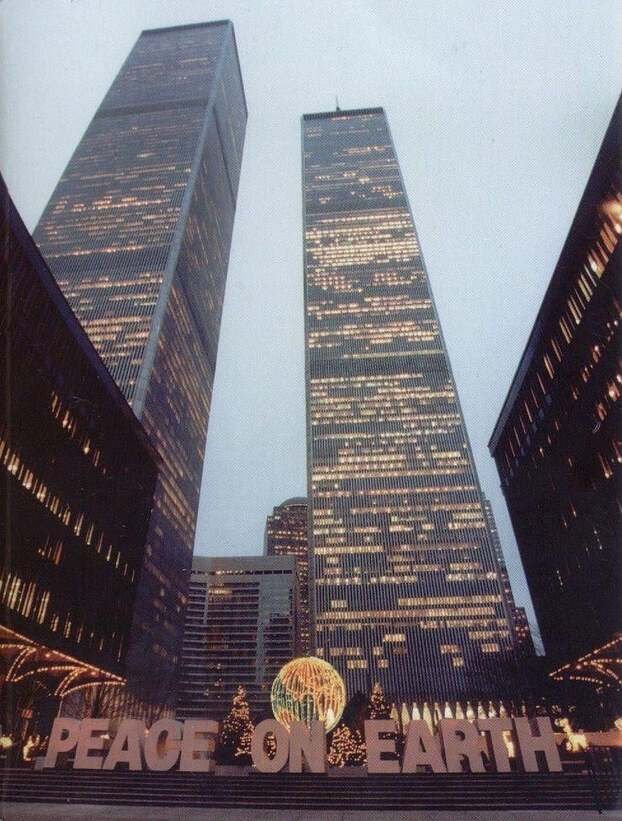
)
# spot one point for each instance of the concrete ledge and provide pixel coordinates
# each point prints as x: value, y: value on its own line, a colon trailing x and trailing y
x: 347, y: 772
x: 232, y: 770
x: 91, y: 812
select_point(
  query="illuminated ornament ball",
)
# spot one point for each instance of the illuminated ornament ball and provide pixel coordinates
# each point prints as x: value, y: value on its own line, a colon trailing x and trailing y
x: 308, y: 688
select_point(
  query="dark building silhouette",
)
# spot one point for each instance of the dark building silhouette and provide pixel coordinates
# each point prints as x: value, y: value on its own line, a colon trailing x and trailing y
x: 406, y: 583
x: 287, y: 535
x: 77, y: 475
x: 557, y: 440
x: 137, y: 234
x: 240, y: 630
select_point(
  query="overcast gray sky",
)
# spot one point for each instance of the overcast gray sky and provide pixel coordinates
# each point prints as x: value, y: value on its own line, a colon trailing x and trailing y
x: 497, y: 111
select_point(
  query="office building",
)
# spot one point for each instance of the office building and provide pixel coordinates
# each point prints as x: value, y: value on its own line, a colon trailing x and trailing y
x: 77, y: 475
x: 240, y: 630
x: 137, y: 234
x: 406, y: 584
x: 557, y: 440
x: 518, y: 617
x: 522, y: 631
x: 287, y: 535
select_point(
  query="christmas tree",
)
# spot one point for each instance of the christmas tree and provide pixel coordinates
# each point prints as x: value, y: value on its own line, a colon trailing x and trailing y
x: 234, y: 741
x: 378, y: 707
x: 347, y: 747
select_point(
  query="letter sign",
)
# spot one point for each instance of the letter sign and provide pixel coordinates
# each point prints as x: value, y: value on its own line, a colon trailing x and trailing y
x: 261, y: 760
x: 64, y: 737
x: 163, y: 737
x: 376, y: 746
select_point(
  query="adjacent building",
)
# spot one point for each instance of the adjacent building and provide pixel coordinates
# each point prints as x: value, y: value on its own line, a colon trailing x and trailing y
x: 240, y: 630
x: 557, y: 440
x: 137, y: 234
x: 518, y: 616
x: 77, y: 475
x: 522, y: 630
x: 287, y: 535
x: 407, y: 588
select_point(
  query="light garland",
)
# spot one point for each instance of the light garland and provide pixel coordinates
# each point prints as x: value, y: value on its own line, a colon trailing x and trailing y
x: 306, y: 689
x: 601, y: 667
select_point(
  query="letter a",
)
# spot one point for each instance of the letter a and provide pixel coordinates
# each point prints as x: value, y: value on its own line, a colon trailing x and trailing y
x: 422, y: 749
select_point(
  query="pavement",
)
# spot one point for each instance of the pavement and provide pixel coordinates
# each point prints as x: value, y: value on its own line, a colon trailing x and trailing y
x: 92, y: 812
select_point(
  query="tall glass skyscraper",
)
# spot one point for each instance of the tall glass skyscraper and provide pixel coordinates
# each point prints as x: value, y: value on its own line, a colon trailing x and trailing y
x: 407, y: 587
x: 137, y: 234
x: 287, y: 534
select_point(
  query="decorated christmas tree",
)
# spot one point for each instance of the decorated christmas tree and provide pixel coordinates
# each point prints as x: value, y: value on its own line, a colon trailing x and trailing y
x: 234, y: 741
x: 378, y: 707
x: 347, y: 748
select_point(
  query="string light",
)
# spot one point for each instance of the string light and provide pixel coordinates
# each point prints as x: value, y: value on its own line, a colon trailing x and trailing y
x: 601, y: 667
x: 308, y: 689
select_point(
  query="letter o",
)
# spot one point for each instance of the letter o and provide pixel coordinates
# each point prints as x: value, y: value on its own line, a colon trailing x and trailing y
x: 260, y: 758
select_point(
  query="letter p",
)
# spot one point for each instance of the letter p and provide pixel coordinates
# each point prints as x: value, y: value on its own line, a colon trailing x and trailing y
x: 64, y: 737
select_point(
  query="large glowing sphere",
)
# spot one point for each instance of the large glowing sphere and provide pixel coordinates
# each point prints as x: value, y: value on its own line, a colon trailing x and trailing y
x: 308, y: 688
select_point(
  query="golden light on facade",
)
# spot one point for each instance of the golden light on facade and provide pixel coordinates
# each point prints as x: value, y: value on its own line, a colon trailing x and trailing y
x: 27, y: 659
x: 612, y: 209
x: 602, y: 667
x: 308, y: 688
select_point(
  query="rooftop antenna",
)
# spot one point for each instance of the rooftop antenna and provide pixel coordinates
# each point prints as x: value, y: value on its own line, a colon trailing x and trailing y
x: 337, y: 103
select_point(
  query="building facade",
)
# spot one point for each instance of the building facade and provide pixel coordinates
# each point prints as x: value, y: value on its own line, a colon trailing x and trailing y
x: 137, y: 234
x: 240, y: 630
x: 287, y: 535
x: 406, y: 584
x: 77, y: 475
x: 524, y: 640
x: 557, y: 441
x: 518, y: 616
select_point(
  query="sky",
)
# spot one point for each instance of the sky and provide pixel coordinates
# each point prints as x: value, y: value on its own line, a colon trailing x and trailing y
x: 497, y: 111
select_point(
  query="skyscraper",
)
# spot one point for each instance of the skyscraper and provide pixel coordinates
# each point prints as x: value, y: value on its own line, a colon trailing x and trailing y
x: 522, y: 630
x: 557, y: 441
x: 518, y: 617
x: 287, y: 535
x: 407, y: 588
x: 240, y: 630
x: 137, y: 234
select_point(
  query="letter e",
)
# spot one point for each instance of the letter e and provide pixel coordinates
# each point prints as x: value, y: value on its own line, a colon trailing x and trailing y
x: 376, y: 746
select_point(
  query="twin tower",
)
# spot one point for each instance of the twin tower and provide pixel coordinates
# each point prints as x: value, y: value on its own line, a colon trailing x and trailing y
x: 405, y: 585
